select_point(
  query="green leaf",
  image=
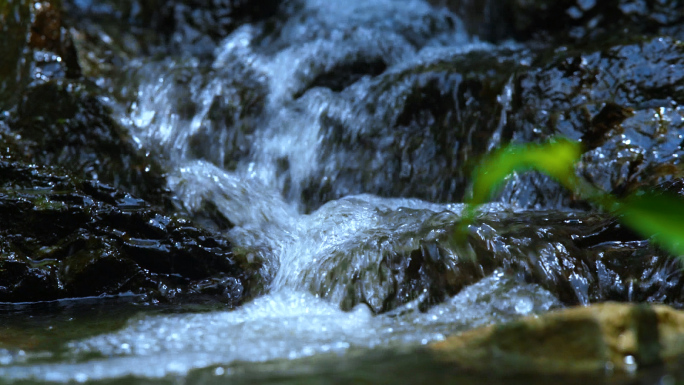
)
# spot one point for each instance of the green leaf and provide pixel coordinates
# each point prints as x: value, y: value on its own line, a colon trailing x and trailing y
x: 657, y: 215
x: 555, y: 158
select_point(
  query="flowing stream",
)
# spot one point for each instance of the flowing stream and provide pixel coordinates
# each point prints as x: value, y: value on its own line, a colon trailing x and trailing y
x: 245, y: 133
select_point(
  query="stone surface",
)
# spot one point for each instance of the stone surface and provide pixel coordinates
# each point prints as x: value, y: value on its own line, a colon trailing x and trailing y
x: 178, y: 26
x: 598, y: 338
x: 622, y: 102
x: 36, y: 46
x: 62, y: 123
x: 580, y: 258
x: 424, y: 127
x: 64, y: 238
x: 588, y: 22
x: 409, y: 117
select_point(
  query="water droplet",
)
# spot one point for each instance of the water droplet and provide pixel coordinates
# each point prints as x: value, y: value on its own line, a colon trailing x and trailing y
x: 630, y: 363
x: 524, y: 306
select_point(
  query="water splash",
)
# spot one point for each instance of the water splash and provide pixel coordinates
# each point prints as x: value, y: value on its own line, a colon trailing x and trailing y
x: 282, y: 325
x: 245, y: 135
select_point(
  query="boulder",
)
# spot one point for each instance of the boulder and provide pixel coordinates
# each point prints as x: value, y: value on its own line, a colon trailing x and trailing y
x: 595, y: 339
x: 621, y: 102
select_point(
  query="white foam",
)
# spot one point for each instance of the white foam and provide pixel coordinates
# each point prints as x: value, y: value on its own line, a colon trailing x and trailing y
x: 312, y: 257
x: 282, y: 325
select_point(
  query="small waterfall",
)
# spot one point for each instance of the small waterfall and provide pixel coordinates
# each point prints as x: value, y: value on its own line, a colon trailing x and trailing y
x: 293, y: 157
x: 285, y: 325
x: 246, y: 132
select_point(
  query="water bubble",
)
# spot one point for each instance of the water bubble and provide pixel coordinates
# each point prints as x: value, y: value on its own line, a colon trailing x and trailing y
x: 5, y: 357
x: 524, y: 306
x: 630, y: 363
x: 667, y: 380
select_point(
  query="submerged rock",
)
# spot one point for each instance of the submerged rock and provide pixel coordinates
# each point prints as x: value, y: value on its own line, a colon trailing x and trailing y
x: 423, y: 127
x: 579, y: 258
x: 595, y: 339
x: 62, y: 238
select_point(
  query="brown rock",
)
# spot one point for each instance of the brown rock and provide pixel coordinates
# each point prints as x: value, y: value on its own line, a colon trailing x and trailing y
x: 596, y: 338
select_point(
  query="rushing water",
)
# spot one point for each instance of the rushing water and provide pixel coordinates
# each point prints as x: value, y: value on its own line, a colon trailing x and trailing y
x: 246, y: 134
x: 282, y: 325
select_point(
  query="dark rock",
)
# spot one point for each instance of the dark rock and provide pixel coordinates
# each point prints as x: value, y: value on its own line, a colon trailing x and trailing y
x: 409, y: 116
x: 178, y: 26
x: 580, y: 258
x: 54, y: 117
x: 63, y: 123
x: 336, y: 55
x: 578, y: 23
x: 487, y: 19
x: 424, y: 129
x: 591, y: 21
x: 201, y: 24
x: 414, y: 22
x: 621, y: 102
x: 62, y: 238
x: 36, y: 45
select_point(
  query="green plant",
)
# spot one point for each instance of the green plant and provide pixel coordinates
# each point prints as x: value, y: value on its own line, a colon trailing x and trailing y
x: 655, y: 215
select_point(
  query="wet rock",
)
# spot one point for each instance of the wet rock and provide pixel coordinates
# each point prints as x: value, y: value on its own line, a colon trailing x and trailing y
x: 580, y: 258
x: 413, y: 21
x: 422, y: 129
x: 36, y: 46
x: 413, y: 255
x: 595, y: 339
x: 54, y: 117
x: 178, y: 27
x: 215, y: 121
x: 622, y: 103
x: 591, y: 21
x: 409, y: 117
x: 488, y: 19
x: 63, y: 123
x: 63, y: 238
x: 263, y: 82
x: 428, y: 123
x: 201, y: 24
